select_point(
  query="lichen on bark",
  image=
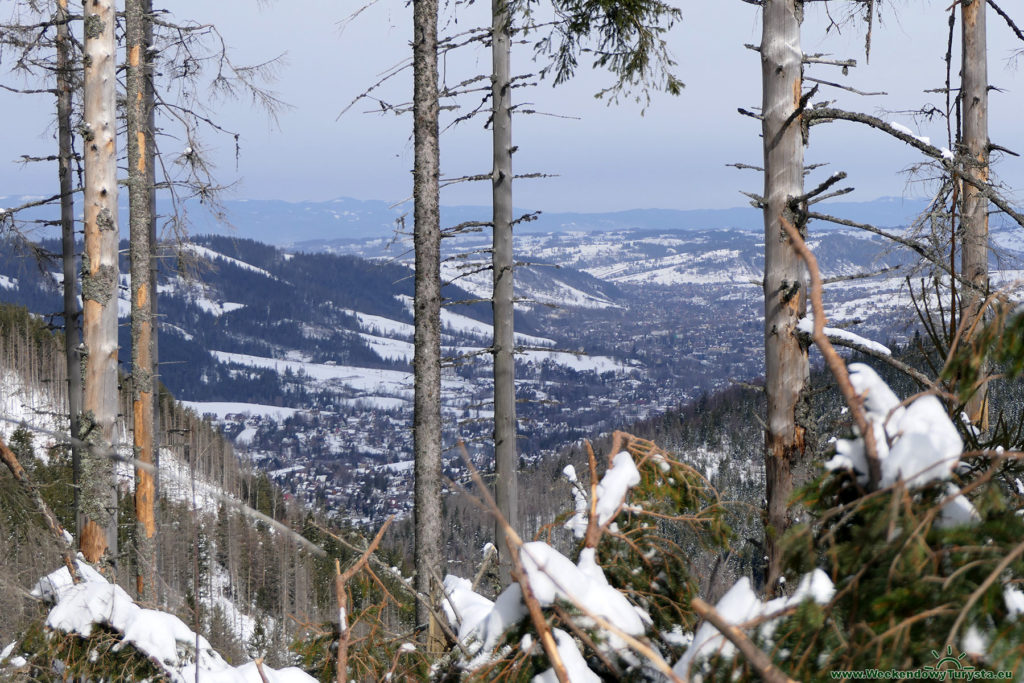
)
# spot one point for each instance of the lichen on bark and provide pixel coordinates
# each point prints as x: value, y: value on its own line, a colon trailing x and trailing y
x: 100, y: 285
x: 105, y: 220
x: 94, y: 26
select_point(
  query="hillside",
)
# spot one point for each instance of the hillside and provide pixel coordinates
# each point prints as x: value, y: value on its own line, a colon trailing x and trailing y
x: 304, y: 359
x: 222, y: 572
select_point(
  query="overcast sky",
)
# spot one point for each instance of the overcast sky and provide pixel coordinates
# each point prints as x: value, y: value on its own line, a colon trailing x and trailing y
x: 606, y: 157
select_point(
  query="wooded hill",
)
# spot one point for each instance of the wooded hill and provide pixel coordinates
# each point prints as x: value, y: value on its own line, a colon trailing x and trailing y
x: 246, y: 586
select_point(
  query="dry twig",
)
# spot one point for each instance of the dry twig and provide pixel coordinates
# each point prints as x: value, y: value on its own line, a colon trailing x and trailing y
x: 832, y: 359
x: 340, y: 581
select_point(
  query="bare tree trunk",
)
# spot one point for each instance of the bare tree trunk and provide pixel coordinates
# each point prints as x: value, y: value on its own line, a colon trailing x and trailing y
x: 149, y: 94
x: 99, y: 285
x: 72, y: 330
x: 786, y: 366
x: 427, y: 357
x: 506, y: 486
x: 974, y: 212
x: 140, y: 254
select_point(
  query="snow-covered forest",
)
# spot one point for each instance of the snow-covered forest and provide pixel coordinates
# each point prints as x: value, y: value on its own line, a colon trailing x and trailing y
x: 444, y: 463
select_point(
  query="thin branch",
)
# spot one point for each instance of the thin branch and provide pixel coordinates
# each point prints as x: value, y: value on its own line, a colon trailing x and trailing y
x: 980, y: 590
x: 340, y: 582
x: 824, y: 114
x: 908, y: 370
x: 1007, y: 19
x: 832, y: 359
x: 758, y: 659
x: 844, y: 87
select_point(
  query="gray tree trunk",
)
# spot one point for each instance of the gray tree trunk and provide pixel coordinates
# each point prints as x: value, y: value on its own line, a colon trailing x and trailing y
x: 99, y: 285
x: 974, y: 211
x: 140, y: 256
x: 150, y: 96
x: 427, y: 314
x: 72, y: 329
x: 506, y: 487
x: 786, y: 366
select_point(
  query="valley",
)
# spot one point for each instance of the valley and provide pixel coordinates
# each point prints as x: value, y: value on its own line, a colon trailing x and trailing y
x: 304, y: 357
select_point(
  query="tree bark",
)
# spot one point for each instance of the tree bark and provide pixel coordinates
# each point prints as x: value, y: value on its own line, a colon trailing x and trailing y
x: 72, y: 329
x: 506, y: 487
x: 140, y: 256
x: 785, y: 298
x: 154, y: 294
x: 974, y: 209
x: 99, y: 285
x: 427, y: 305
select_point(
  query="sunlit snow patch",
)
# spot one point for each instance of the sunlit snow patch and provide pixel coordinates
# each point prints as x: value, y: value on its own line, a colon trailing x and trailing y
x: 162, y: 637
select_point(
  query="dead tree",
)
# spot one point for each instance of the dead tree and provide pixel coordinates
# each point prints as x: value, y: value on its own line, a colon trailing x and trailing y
x: 506, y: 461
x: 427, y: 314
x: 140, y: 220
x: 785, y: 297
x: 72, y: 331
x: 974, y: 206
x: 98, y: 538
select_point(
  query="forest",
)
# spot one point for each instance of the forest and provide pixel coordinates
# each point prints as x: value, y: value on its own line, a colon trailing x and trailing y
x: 853, y: 513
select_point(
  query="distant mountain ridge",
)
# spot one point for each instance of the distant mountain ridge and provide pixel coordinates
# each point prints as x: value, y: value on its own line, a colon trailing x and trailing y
x: 312, y: 225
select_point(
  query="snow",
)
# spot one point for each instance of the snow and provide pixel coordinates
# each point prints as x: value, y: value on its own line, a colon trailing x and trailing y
x: 550, y: 290
x: 925, y: 444
x: 389, y: 348
x: 718, y: 266
x: 899, y: 127
x: 553, y: 576
x: 958, y: 510
x: 480, y: 622
x: 211, y: 255
x: 575, y: 666
x: 365, y: 379
x: 8, y: 282
x: 614, y: 486
x: 577, y: 362
x: 380, y: 325
x: 461, y: 324
x: 386, y: 389
x: 223, y: 408
x: 741, y: 605
x: 1014, y: 599
x: 215, y: 308
x: 806, y: 325
x: 974, y: 642
x: 577, y: 524
x: 163, y: 637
